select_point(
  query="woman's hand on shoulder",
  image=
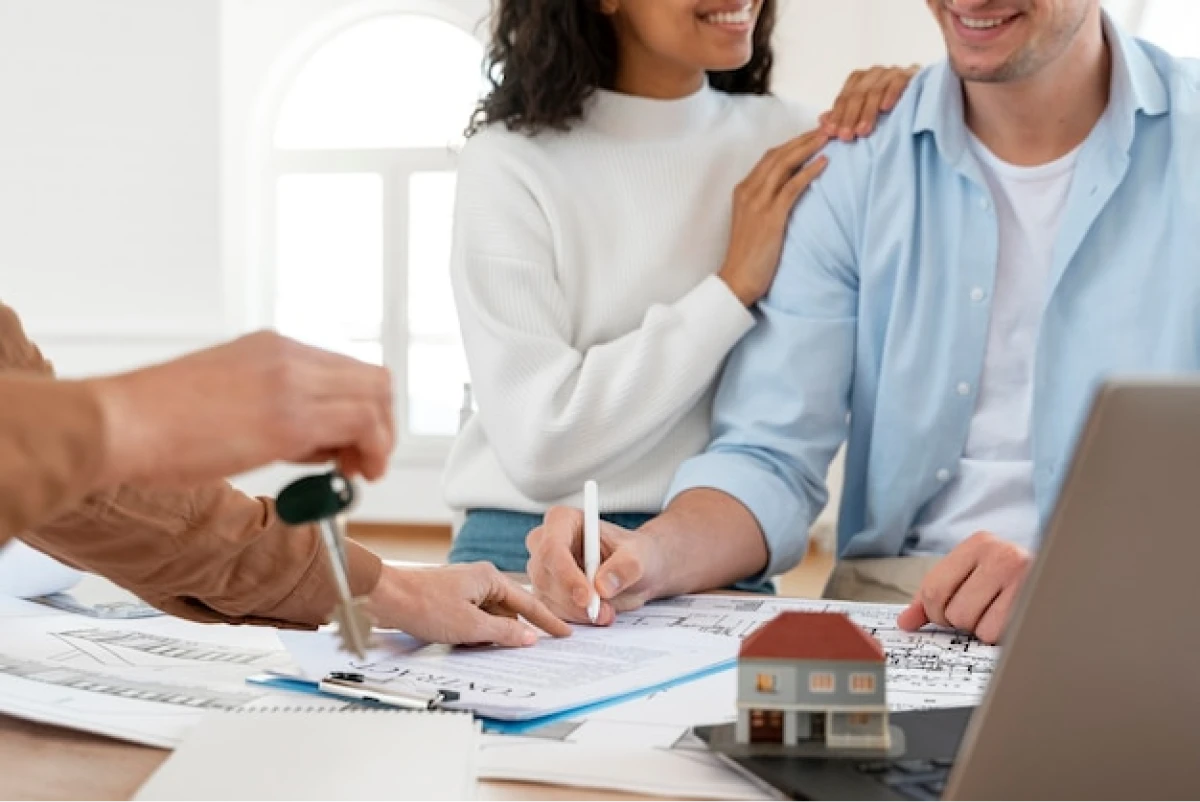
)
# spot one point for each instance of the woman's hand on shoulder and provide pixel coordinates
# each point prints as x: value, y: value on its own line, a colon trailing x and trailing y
x: 762, y: 203
x: 866, y: 95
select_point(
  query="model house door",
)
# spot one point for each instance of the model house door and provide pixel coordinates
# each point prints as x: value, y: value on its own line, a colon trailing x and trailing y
x: 766, y: 727
x: 818, y: 726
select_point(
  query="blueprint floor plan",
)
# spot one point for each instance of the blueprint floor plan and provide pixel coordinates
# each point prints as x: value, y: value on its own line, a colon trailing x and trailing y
x: 147, y: 681
x: 926, y: 669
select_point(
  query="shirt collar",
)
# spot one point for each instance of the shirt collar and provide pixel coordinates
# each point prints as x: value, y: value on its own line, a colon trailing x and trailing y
x: 1136, y: 87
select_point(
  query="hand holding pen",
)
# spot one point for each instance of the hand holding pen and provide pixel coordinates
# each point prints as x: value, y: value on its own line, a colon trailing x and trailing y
x: 563, y: 551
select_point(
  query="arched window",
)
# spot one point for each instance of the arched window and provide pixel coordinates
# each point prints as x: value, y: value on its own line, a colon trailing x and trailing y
x: 358, y: 206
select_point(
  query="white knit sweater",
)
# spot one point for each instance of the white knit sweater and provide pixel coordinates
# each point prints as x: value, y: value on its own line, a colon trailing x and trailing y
x: 583, y: 267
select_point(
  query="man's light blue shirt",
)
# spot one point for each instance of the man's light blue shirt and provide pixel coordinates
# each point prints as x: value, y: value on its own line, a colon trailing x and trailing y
x: 875, y: 329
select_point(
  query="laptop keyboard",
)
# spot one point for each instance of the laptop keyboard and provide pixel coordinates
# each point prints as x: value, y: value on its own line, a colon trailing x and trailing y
x: 913, y: 779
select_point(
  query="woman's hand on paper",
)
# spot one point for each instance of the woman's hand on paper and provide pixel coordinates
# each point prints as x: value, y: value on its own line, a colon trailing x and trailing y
x: 866, y: 95
x: 630, y: 570
x: 460, y: 604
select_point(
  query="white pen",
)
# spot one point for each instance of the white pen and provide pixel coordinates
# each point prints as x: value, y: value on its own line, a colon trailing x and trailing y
x: 591, y: 544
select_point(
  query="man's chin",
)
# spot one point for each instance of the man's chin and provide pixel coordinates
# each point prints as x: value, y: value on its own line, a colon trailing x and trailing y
x: 985, y: 73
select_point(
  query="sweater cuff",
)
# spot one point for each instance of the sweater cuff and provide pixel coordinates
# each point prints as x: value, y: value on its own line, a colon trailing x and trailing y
x: 714, y: 316
x: 781, y: 516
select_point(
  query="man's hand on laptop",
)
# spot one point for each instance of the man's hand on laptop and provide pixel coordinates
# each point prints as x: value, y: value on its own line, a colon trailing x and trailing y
x: 973, y: 589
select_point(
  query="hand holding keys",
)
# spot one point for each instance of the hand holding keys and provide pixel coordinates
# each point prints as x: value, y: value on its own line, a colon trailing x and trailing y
x: 322, y: 499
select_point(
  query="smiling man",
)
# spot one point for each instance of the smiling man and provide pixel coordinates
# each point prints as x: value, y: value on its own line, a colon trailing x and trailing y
x: 950, y: 294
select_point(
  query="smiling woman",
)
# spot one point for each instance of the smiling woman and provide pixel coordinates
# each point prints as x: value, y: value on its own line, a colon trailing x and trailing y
x: 547, y: 58
x: 622, y: 202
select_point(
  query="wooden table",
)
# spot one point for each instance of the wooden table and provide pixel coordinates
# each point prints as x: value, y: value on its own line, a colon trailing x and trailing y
x: 42, y: 762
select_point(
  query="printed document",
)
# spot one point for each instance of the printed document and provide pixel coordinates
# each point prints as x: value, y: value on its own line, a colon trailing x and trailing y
x: 591, y: 666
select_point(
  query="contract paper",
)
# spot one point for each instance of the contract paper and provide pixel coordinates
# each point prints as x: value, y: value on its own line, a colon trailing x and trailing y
x: 555, y: 675
x: 148, y: 681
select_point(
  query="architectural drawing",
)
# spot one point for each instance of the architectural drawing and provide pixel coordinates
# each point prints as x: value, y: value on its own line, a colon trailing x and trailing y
x: 146, y: 680
x: 124, y: 646
x: 925, y: 669
x: 109, y: 685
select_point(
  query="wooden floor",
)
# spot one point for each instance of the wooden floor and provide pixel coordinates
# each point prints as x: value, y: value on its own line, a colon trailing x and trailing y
x: 431, y: 544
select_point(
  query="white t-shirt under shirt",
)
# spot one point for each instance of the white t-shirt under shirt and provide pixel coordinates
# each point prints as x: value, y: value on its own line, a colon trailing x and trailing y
x: 583, y: 270
x: 993, y: 488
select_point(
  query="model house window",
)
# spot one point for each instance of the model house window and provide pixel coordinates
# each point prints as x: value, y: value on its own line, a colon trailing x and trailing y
x: 862, y: 683
x: 858, y: 719
x: 765, y: 683
x: 821, y: 682
x: 360, y: 202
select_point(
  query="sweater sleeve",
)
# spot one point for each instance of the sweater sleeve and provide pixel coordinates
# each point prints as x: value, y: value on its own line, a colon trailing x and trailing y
x: 207, y: 552
x: 557, y: 414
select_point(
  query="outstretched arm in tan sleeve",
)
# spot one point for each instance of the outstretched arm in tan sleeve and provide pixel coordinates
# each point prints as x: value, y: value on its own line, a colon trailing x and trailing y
x: 205, y: 551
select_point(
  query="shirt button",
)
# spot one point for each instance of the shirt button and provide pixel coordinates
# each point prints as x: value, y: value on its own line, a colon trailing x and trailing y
x: 977, y: 294
x: 963, y: 388
x: 943, y: 475
x: 985, y: 204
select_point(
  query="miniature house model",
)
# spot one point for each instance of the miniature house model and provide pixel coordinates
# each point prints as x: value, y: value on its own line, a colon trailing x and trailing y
x: 812, y: 678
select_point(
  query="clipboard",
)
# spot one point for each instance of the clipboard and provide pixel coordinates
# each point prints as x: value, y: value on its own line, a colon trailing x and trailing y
x: 359, y: 692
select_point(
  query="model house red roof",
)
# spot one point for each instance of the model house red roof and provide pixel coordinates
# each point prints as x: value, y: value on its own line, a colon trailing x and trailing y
x: 811, y: 636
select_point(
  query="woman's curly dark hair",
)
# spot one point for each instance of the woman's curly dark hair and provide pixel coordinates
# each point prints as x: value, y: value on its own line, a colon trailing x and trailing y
x: 546, y: 57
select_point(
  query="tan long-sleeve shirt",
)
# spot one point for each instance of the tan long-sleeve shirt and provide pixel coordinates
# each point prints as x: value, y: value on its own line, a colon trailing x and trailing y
x: 208, y: 553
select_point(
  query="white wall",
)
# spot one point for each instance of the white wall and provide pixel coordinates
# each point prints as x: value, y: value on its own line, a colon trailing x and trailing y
x: 109, y: 166
x: 820, y: 42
